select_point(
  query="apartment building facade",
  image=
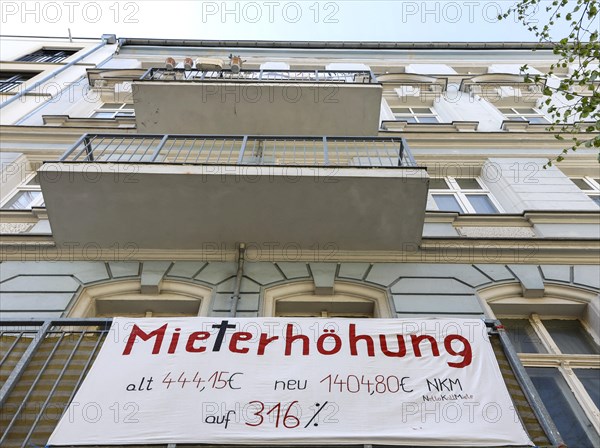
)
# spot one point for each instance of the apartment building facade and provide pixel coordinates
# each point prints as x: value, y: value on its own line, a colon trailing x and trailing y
x: 165, y: 178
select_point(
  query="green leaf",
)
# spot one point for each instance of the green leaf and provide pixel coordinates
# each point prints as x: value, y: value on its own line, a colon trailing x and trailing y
x: 578, y: 46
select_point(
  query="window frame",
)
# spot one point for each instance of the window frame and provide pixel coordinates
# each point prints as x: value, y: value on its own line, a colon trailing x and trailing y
x: 23, y: 186
x: 462, y: 194
x: 594, y: 191
x: 566, y: 363
x: 398, y: 116
x: 560, y: 302
x: 522, y: 117
x: 343, y: 292
x: 114, y: 110
x: 129, y: 292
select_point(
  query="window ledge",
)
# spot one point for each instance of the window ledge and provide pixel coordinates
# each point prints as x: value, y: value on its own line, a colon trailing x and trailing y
x: 496, y: 232
x: 455, y: 126
x: 525, y: 219
x: 510, y: 125
x: 80, y: 122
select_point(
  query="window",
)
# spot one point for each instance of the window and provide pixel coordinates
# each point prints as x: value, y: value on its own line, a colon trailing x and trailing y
x: 347, y: 300
x: 589, y: 186
x: 556, y: 338
x: 124, y: 298
x: 114, y: 110
x: 462, y: 195
x: 10, y: 80
x: 569, y: 384
x: 416, y: 114
x: 26, y: 196
x: 47, y: 55
x: 529, y: 114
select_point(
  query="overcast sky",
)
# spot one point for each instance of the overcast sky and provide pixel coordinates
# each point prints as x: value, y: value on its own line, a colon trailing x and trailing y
x: 361, y: 20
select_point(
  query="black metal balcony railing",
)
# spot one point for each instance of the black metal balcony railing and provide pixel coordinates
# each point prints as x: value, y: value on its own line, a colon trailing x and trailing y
x: 10, y: 80
x: 325, y: 76
x: 6, y: 86
x: 242, y: 150
x: 47, y: 56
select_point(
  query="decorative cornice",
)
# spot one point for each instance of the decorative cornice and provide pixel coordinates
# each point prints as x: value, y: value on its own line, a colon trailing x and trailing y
x: 432, y: 250
x: 420, y: 134
x: 562, y: 217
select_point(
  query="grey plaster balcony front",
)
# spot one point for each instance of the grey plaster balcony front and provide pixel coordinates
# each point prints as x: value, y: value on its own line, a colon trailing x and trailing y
x: 258, y: 101
x: 190, y: 192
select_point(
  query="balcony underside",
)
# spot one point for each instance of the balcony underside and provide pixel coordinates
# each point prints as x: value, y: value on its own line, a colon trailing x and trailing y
x: 157, y: 206
x: 257, y: 108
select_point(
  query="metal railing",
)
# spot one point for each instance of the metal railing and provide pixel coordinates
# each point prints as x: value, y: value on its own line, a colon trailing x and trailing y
x: 326, y: 76
x: 47, y: 56
x: 42, y: 365
x: 12, y: 82
x: 241, y: 150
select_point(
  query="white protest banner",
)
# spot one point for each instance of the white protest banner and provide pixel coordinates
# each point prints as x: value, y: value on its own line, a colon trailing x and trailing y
x: 284, y: 381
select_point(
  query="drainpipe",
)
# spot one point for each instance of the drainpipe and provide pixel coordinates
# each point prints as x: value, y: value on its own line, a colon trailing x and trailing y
x: 235, y: 298
x: 106, y: 38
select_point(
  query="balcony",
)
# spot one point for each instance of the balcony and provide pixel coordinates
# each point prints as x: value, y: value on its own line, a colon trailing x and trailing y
x: 191, y: 192
x: 262, y: 102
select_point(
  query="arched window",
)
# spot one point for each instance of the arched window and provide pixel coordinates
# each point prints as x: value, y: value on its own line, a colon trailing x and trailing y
x: 348, y: 300
x: 557, y: 340
x: 125, y: 299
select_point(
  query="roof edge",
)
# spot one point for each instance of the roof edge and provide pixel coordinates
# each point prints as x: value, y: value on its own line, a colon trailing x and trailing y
x: 344, y: 45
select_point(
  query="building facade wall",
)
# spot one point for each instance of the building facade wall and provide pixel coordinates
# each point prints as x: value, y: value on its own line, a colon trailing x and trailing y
x: 533, y: 258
